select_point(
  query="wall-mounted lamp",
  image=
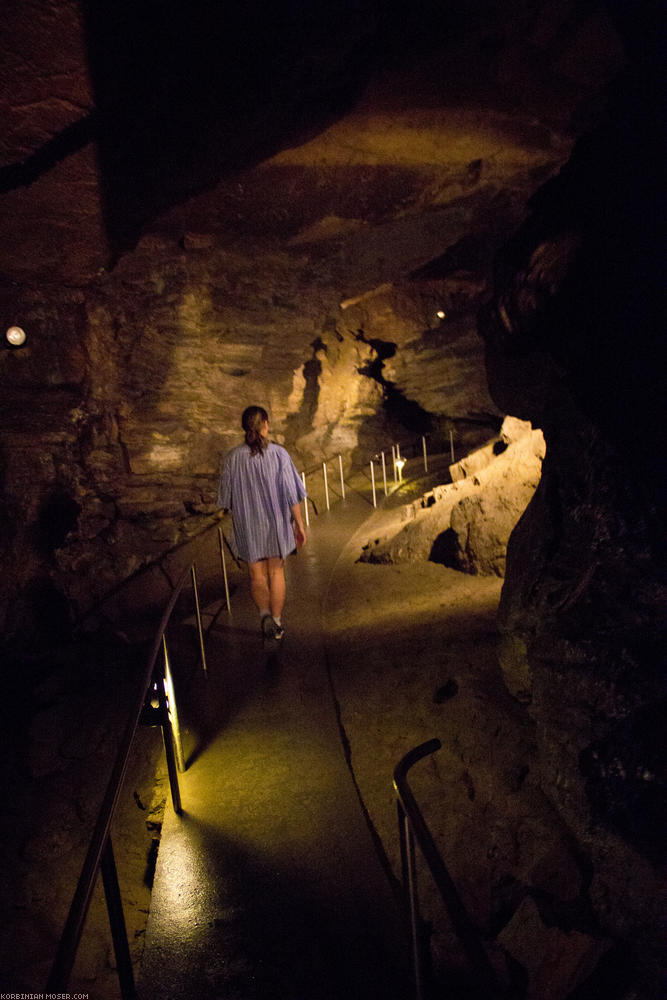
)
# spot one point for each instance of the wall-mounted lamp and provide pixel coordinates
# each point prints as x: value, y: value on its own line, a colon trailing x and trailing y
x: 15, y: 336
x: 441, y: 314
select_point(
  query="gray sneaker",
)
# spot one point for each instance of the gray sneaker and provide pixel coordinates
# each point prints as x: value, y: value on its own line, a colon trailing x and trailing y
x: 268, y: 627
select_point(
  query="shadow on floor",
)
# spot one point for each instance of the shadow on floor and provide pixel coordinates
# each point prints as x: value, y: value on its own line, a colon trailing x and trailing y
x: 268, y: 932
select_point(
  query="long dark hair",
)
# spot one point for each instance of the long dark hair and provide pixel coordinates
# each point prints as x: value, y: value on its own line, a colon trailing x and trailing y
x: 252, y: 420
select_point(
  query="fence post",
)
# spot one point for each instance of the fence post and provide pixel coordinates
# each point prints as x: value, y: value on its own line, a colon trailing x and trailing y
x: 326, y: 484
x: 409, y: 866
x: 424, y: 450
x: 393, y: 461
x: 342, y: 480
x: 172, y: 710
x: 117, y: 922
x: 384, y: 474
x: 168, y: 737
x: 305, y: 499
x: 224, y: 567
x: 373, y: 484
x: 193, y: 573
x: 451, y: 445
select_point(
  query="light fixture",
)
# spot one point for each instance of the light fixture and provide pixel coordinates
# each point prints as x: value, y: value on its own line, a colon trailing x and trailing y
x: 15, y: 336
x: 441, y: 314
x: 400, y: 462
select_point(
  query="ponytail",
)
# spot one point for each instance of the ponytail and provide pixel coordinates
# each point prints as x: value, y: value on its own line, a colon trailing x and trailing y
x: 252, y: 420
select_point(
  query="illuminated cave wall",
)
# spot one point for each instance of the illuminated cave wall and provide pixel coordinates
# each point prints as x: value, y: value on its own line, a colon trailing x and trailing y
x: 180, y: 240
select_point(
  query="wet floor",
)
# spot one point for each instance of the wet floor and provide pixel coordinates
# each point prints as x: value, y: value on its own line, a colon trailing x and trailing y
x: 268, y: 886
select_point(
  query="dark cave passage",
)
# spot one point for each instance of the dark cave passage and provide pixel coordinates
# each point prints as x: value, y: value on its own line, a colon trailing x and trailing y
x: 398, y: 409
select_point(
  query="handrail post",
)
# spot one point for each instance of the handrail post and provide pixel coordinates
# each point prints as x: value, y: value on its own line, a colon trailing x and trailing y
x: 168, y: 739
x: 467, y: 932
x: 193, y: 574
x: 305, y: 499
x: 117, y: 922
x: 224, y: 567
x: 171, y: 708
x: 342, y: 478
x: 326, y: 484
x: 409, y: 869
x: 70, y: 938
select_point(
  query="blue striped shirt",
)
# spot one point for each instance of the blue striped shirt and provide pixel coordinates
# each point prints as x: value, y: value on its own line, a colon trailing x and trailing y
x: 260, y: 490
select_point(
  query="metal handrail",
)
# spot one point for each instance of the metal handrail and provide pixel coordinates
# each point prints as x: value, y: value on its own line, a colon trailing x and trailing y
x: 412, y: 827
x: 100, y: 854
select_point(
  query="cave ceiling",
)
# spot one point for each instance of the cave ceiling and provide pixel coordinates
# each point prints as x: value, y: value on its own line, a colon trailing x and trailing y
x: 293, y: 191
x: 370, y: 137
x: 205, y: 204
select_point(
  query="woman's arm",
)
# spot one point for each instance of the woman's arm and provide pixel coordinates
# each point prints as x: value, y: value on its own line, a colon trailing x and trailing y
x: 297, y: 525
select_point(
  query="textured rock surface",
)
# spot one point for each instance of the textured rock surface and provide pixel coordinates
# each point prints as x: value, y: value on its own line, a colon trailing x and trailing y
x: 467, y: 524
x: 412, y: 652
x: 571, y: 345
x: 172, y: 261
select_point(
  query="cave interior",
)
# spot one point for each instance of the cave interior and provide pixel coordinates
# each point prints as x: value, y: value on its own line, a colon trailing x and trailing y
x: 382, y: 221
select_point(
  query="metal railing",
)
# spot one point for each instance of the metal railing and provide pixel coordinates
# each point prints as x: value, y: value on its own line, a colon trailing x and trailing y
x: 156, y: 682
x: 387, y: 469
x: 100, y: 856
x: 412, y: 828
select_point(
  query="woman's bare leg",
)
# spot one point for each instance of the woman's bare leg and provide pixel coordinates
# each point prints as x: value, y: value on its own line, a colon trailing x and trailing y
x: 267, y: 585
x: 259, y: 584
x: 276, y: 571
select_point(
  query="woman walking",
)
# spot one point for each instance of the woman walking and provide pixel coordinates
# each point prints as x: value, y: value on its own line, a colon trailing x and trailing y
x: 260, y: 485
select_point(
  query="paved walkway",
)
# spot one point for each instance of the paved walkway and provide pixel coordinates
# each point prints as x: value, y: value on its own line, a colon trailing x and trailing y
x: 268, y: 887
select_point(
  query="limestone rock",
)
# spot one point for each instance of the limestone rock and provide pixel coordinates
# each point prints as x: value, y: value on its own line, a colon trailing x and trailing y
x: 46, y: 733
x: 555, y: 961
x: 571, y: 343
x: 467, y: 524
x: 515, y: 666
x: 474, y: 462
x: 483, y: 521
x: 327, y: 261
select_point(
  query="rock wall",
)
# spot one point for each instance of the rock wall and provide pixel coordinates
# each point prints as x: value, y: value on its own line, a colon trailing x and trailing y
x: 177, y: 245
x: 128, y: 392
x: 571, y: 341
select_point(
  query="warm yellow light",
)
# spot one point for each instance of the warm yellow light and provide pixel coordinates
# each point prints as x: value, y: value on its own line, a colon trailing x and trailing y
x: 441, y: 314
x: 15, y: 336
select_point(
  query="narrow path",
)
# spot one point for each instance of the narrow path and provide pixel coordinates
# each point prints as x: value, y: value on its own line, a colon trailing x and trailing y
x: 269, y: 887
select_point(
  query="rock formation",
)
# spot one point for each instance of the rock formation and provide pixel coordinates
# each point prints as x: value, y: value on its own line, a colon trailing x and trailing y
x: 467, y: 524
x: 178, y: 243
x: 571, y: 341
